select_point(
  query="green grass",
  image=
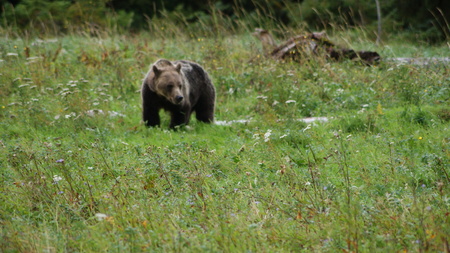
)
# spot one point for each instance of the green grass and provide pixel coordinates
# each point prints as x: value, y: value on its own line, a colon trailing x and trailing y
x: 373, y: 178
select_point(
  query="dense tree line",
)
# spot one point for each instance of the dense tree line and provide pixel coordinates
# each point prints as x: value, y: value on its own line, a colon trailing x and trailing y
x: 429, y: 17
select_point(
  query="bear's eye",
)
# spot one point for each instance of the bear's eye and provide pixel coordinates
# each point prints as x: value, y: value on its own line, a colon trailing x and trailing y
x: 170, y: 86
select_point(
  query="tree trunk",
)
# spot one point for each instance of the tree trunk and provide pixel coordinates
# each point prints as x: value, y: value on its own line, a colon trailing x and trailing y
x: 377, y: 2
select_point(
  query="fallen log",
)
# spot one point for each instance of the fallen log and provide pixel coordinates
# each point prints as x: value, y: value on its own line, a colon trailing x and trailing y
x: 311, y: 45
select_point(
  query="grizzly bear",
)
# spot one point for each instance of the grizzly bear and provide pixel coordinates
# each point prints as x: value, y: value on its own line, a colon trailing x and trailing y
x: 179, y: 87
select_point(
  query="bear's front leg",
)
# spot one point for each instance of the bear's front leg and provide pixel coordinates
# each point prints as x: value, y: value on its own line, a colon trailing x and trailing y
x: 150, y: 107
x: 179, y: 118
x: 151, y: 117
x: 150, y: 113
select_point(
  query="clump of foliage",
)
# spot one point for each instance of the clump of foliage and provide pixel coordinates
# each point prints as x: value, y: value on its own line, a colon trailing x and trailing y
x: 425, y: 20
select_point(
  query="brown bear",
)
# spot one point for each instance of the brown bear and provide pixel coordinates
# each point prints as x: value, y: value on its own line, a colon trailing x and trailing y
x: 179, y: 87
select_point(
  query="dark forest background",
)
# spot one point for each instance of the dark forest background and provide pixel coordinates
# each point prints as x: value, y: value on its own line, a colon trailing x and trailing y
x: 430, y: 18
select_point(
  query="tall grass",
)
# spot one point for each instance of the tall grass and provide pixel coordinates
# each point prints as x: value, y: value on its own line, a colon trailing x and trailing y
x: 80, y: 172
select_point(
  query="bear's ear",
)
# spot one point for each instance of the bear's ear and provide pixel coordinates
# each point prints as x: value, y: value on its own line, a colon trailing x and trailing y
x: 156, y: 70
x: 178, y: 67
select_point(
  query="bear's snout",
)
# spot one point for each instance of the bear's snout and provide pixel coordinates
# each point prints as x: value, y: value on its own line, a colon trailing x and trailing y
x: 178, y: 98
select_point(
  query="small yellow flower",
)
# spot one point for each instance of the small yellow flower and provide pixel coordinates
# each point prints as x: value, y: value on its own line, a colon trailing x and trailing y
x: 379, y: 109
x: 15, y: 47
x: 110, y: 219
x: 420, y: 138
x: 3, y: 107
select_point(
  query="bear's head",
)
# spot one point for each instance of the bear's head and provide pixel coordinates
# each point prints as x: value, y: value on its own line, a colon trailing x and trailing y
x: 168, y: 82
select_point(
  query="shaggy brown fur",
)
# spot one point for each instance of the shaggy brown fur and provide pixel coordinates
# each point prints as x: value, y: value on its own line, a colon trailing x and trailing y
x: 179, y: 87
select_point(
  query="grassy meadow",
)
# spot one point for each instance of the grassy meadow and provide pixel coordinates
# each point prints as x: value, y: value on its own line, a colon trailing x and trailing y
x: 81, y: 173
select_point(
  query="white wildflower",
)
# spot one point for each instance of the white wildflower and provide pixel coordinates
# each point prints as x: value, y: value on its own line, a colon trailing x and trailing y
x: 72, y: 114
x: 115, y: 114
x: 262, y: 97
x: 307, y: 127
x: 267, y: 135
x: 56, y: 178
x: 94, y: 112
x: 100, y: 216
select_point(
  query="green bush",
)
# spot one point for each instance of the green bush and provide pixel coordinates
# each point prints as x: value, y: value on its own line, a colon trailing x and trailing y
x: 428, y: 22
x: 43, y: 16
